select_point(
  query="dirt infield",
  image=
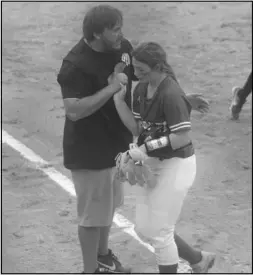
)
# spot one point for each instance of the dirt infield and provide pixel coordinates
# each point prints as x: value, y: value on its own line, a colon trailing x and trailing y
x: 209, y: 45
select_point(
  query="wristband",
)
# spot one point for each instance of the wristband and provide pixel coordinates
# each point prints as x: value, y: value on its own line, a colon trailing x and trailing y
x: 155, y: 144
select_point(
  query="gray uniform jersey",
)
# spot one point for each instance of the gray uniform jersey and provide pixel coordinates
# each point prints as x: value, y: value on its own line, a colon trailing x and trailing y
x: 168, y: 108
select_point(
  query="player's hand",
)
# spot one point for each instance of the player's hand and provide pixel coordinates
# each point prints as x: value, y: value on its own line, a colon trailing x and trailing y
x: 143, y: 148
x: 138, y: 153
x: 198, y: 102
x: 125, y: 168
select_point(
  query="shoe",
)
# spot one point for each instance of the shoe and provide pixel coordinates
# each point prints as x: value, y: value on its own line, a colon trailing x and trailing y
x: 236, y: 104
x: 205, y: 264
x: 99, y: 270
x: 102, y: 270
x: 110, y: 264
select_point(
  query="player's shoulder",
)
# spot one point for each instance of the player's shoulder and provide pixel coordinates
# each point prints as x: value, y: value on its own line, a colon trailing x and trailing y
x: 173, y: 94
x: 171, y: 89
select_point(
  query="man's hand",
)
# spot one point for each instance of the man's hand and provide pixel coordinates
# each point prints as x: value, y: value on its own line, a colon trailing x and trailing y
x: 198, y: 103
x: 122, y: 78
x: 118, y: 81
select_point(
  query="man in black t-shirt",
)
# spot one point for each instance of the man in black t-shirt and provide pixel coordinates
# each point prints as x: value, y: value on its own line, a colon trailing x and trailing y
x: 93, y: 131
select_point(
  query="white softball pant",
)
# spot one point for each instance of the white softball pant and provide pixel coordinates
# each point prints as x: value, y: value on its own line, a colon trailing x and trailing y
x: 158, y: 208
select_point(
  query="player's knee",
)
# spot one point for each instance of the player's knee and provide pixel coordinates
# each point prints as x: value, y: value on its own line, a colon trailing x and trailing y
x: 146, y: 229
x: 162, y: 239
x: 143, y: 230
x: 154, y: 231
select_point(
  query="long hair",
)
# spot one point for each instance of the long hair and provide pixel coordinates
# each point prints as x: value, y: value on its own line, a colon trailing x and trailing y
x: 98, y: 18
x: 154, y: 56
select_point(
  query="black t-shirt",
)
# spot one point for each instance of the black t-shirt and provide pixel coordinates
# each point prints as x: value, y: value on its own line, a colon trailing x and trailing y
x: 93, y: 142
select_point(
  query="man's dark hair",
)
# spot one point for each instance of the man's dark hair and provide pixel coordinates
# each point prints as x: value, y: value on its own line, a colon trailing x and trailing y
x: 98, y: 18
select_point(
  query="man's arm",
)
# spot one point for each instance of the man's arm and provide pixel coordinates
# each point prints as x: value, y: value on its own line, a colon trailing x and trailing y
x: 78, y: 96
x: 80, y: 108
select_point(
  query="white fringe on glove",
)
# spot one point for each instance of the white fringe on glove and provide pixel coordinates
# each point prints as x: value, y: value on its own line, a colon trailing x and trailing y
x: 136, y: 153
x: 125, y: 168
x: 129, y: 165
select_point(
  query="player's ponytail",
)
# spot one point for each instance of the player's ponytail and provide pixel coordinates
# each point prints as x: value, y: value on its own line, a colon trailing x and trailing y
x: 166, y: 68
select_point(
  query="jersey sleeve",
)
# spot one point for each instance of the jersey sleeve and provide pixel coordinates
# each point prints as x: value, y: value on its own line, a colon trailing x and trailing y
x: 176, y: 109
x: 74, y: 84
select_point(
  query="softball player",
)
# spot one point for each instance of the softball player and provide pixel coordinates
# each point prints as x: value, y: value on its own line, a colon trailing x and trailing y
x: 165, y: 150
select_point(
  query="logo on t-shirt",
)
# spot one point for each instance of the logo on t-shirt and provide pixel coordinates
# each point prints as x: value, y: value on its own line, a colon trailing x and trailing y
x: 126, y: 59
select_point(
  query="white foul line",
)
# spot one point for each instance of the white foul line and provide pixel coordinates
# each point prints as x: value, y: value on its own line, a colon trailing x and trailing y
x: 64, y: 182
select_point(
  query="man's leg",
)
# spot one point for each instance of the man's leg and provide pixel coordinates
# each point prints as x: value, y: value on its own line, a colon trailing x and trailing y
x: 239, y: 97
x: 104, y: 240
x: 118, y: 198
x: 94, y: 208
x: 89, y: 237
x: 106, y: 258
x: 103, y: 248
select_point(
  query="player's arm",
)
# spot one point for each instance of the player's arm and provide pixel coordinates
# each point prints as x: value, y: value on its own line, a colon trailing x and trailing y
x: 173, y: 141
x: 79, y: 102
x: 135, y: 107
x: 125, y: 112
x: 198, y: 102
